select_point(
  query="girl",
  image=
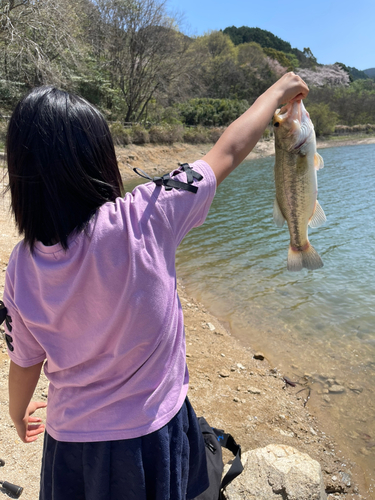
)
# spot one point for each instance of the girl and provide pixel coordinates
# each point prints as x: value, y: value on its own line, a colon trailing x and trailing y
x: 91, y: 293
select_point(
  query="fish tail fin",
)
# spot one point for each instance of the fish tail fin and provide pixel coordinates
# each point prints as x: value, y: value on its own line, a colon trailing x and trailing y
x: 308, y: 257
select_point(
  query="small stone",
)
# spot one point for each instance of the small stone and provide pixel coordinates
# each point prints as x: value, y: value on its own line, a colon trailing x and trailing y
x: 241, y: 367
x: 327, y: 399
x: 211, y: 327
x: 223, y: 355
x: 336, y: 389
x: 345, y: 478
x: 236, y: 400
x: 224, y: 373
x: 253, y: 390
x: 355, y: 388
x: 285, y: 433
x: 334, y: 478
x: 259, y: 355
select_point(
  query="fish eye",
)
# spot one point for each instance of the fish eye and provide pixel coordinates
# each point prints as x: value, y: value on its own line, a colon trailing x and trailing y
x: 276, y: 124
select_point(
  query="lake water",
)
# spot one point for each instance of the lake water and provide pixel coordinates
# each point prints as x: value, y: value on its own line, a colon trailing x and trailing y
x: 316, y: 323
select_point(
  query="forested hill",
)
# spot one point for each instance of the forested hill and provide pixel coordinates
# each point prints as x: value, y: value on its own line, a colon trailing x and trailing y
x: 131, y: 60
x: 273, y: 45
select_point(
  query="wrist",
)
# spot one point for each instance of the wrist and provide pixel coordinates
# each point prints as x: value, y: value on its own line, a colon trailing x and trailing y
x: 16, y: 418
x: 276, y: 96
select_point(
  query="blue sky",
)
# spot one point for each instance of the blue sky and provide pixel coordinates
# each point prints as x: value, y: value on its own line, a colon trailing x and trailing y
x: 335, y: 30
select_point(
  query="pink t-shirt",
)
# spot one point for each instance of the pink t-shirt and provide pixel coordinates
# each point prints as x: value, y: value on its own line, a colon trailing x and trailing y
x: 106, y: 316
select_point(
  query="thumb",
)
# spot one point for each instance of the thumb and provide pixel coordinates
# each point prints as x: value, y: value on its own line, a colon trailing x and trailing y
x: 36, y: 405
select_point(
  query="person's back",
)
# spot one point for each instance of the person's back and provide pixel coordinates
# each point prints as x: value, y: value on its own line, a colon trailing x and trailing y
x: 105, y: 315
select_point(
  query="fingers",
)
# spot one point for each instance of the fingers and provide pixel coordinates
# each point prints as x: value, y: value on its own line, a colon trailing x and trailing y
x: 33, y: 432
x: 291, y: 88
x: 34, y: 419
x: 36, y: 405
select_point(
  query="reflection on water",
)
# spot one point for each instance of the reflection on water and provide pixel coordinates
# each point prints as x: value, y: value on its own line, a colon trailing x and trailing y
x: 317, y: 322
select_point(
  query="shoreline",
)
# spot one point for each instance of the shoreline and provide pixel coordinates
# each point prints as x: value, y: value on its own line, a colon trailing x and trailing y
x: 160, y: 159
x: 245, y: 396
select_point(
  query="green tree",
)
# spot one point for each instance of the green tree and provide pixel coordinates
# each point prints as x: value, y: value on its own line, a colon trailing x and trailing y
x: 263, y: 37
x: 290, y: 62
x: 323, y: 118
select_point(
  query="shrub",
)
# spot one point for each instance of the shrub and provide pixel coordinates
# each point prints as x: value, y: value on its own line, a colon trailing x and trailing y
x: 323, y: 118
x: 342, y: 129
x: 120, y: 134
x: 139, y: 135
x: 166, y: 134
x: 197, y: 135
x: 355, y: 129
x: 214, y: 134
x: 267, y: 134
x: 211, y: 112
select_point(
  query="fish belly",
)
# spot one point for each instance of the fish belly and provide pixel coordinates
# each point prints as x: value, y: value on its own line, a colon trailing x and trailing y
x: 296, y: 193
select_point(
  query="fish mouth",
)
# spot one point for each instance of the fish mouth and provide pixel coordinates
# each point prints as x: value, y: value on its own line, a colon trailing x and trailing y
x: 295, y: 120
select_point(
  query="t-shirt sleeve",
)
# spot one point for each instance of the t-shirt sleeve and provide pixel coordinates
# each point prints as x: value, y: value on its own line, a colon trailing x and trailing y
x: 185, y: 210
x: 23, y: 349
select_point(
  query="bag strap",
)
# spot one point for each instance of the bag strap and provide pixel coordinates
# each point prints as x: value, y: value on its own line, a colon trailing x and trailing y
x: 3, y: 312
x: 227, y: 441
x: 4, y: 316
x: 170, y: 183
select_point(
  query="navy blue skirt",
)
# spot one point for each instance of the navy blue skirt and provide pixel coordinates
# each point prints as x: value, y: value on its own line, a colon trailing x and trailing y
x: 169, y: 464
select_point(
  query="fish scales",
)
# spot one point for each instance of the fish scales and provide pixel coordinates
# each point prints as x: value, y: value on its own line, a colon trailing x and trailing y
x: 296, y: 164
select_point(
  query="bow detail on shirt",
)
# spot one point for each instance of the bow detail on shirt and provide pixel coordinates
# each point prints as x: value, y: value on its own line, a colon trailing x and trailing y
x: 170, y: 183
x: 4, y: 316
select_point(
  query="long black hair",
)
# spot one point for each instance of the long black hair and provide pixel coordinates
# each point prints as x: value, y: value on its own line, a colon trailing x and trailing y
x: 62, y: 165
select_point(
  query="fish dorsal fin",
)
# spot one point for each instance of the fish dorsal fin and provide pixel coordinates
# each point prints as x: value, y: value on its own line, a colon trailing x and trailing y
x: 318, y: 161
x: 278, y: 217
x: 318, y: 217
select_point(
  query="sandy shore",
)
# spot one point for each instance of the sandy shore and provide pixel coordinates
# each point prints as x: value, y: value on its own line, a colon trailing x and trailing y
x: 234, y: 391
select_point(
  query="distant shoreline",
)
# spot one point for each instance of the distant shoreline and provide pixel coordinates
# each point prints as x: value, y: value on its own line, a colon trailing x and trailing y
x: 156, y: 158
x: 161, y: 158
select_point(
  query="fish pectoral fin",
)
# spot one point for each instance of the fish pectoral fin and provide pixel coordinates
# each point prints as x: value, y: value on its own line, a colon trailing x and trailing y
x: 278, y: 217
x: 318, y: 217
x: 318, y: 161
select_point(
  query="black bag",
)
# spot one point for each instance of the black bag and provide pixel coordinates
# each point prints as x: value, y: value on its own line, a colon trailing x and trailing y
x: 214, y: 439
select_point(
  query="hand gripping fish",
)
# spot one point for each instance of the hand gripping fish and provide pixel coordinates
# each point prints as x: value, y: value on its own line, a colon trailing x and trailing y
x: 296, y: 164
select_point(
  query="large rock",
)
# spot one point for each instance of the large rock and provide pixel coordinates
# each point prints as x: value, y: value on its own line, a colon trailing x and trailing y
x: 277, y: 472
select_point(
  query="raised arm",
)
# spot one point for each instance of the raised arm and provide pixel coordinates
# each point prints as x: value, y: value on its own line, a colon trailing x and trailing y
x: 243, y: 134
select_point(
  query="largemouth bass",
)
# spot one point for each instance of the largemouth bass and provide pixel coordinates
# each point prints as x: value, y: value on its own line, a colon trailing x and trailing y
x: 296, y: 165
